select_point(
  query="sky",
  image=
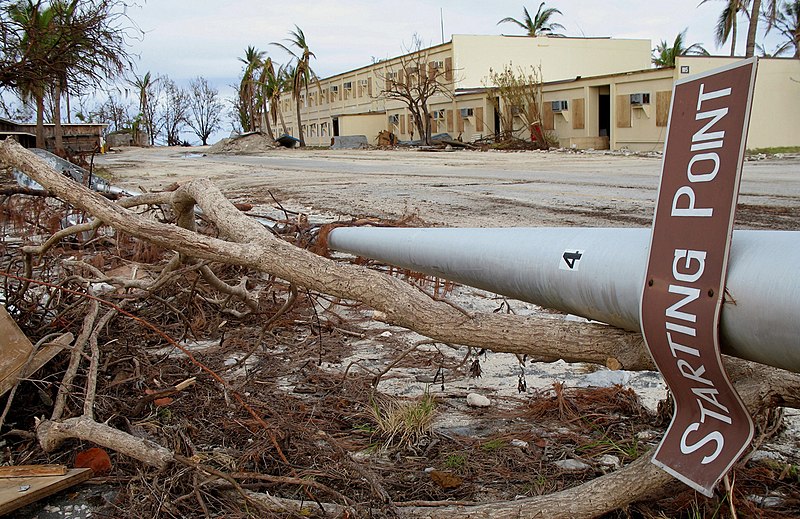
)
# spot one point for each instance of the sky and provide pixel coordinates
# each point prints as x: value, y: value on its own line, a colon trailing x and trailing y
x: 188, y: 38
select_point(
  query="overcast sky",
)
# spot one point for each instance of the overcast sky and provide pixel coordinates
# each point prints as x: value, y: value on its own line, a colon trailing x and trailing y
x: 187, y: 38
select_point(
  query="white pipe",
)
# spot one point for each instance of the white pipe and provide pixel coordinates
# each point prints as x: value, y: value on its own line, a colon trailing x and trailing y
x: 760, y: 319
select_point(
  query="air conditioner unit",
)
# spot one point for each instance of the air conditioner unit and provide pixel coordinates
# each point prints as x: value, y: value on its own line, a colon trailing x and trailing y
x: 363, y: 82
x: 559, y: 106
x: 640, y: 99
x: 348, y: 85
x: 334, y: 88
x: 438, y: 114
x: 467, y: 112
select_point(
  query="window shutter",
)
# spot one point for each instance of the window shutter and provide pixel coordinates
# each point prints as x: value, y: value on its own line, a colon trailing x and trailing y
x: 460, y: 124
x: 548, y: 117
x: 578, y: 114
x: 623, y: 111
x: 402, y: 124
x: 448, y: 69
x: 479, y: 119
x: 369, y: 87
x: 663, y: 100
x: 449, y: 116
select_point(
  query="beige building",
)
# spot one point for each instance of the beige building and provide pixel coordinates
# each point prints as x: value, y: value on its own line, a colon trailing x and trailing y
x: 597, y: 93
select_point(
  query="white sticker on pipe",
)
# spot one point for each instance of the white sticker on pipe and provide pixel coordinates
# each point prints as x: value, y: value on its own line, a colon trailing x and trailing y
x: 570, y: 260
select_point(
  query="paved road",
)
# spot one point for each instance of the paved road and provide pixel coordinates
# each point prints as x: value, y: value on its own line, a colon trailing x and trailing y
x: 463, y: 188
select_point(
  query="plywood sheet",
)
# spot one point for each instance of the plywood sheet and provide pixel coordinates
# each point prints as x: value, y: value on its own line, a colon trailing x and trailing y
x: 623, y: 111
x: 479, y: 119
x: 16, y: 361
x: 578, y: 114
x: 449, y: 116
x: 548, y: 117
x: 12, y: 498
x: 663, y: 100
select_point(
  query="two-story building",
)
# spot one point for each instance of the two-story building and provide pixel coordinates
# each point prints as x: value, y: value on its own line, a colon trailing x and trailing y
x: 596, y: 93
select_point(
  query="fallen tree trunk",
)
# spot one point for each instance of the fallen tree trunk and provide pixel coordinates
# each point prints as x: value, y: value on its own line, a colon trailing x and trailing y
x: 251, y: 245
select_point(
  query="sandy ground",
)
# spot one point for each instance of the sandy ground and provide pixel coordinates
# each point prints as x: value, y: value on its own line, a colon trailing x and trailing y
x: 458, y: 189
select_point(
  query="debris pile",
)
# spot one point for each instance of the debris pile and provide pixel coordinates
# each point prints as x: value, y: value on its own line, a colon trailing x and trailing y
x: 243, y: 144
x: 216, y: 388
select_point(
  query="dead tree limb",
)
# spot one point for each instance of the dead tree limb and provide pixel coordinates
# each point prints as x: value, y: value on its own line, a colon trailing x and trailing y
x: 51, y: 434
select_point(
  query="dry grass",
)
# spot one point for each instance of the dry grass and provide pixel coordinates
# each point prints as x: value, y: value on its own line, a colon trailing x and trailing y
x: 402, y: 423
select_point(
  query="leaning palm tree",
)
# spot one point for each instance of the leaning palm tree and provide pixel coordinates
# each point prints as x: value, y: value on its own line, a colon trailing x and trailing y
x: 728, y: 22
x: 248, y: 88
x: 266, y: 87
x: 302, y: 74
x: 539, y: 25
x: 666, y: 54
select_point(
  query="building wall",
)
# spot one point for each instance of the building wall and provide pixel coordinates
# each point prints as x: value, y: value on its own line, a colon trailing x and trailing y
x: 775, y: 116
x: 559, y: 58
x: 363, y: 124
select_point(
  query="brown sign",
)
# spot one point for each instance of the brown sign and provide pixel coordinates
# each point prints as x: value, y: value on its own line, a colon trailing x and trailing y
x: 685, y: 280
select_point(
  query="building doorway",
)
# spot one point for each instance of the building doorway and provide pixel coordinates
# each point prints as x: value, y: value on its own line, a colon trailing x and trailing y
x: 335, y: 126
x: 604, y: 115
x: 497, y: 118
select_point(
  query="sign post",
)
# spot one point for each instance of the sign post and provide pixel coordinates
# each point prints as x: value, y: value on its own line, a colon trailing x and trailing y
x: 685, y: 283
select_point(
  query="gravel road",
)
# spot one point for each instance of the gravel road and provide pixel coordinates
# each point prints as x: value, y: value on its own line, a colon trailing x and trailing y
x: 460, y: 188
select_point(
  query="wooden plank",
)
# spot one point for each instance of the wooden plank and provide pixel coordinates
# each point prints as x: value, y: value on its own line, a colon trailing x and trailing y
x: 623, y: 111
x: 578, y: 114
x: 663, y: 100
x: 448, y: 69
x: 12, y: 498
x: 23, y: 471
x: 449, y: 118
x: 402, y: 124
x: 479, y: 120
x: 460, y: 122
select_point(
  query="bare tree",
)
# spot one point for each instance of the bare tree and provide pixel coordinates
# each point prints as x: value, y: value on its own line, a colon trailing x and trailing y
x: 113, y: 112
x: 414, y: 79
x: 174, y: 111
x: 205, y: 109
x: 517, y: 96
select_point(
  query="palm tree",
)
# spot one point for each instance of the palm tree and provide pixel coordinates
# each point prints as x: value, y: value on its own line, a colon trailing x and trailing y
x: 665, y: 54
x: 35, y: 24
x: 769, y: 13
x: 270, y: 84
x: 728, y: 21
x: 302, y: 73
x: 787, y: 22
x: 248, y: 89
x: 145, y: 86
x: 539, y: 25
